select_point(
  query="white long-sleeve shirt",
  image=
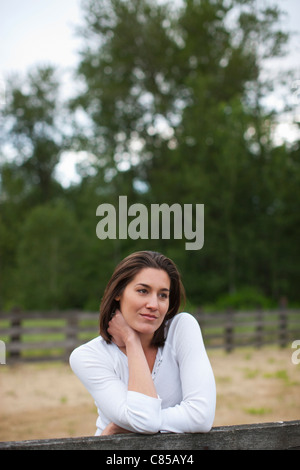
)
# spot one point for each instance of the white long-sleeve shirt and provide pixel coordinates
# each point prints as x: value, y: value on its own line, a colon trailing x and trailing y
x: 182, y: 376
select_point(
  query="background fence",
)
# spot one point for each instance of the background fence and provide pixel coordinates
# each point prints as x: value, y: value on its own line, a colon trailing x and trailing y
x: 30, y: 336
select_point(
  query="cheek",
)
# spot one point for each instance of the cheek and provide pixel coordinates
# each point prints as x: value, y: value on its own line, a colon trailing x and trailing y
x: 164, y: 310
x: 165, y: 307
x: 129, y: 303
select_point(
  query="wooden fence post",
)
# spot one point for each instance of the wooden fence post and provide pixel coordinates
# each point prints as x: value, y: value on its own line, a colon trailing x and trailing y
x: 15, y: 337
x: 229, y: 331
x: 71, y: 333
x: 259, y: 326
x: 283, y: 323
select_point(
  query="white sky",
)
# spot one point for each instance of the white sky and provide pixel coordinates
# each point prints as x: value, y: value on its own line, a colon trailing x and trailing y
x: 34, y: 31
x: 42, y: 31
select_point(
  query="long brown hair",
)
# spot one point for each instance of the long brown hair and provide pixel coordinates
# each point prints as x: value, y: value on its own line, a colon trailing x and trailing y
x: 124, y: 273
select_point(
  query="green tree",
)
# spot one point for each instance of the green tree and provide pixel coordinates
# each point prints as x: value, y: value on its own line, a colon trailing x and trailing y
x: 174, y: 96
x: 32, y: 138
x: 49, y: 261
x: 174, y: 93
x: 34, y: 131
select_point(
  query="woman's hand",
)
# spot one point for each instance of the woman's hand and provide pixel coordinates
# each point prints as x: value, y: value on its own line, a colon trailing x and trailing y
x: 112, y: 429
x: 125, y: 337
x: 120, y: 331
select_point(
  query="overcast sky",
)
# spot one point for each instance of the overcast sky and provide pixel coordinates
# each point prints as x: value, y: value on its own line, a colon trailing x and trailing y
x: 42, y: 31
x: 34, y: 31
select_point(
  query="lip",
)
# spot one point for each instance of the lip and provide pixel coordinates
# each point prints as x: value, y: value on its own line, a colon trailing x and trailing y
x: 148, y: 316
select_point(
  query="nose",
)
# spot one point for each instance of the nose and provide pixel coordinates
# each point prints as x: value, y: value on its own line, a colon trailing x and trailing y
x: 152, y: 302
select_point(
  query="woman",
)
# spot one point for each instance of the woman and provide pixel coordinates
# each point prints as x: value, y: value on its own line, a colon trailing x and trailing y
x: 148, y: 371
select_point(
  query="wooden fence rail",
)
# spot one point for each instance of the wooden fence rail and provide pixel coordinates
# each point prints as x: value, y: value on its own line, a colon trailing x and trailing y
x: 264, y: 436
x: 53, y: 335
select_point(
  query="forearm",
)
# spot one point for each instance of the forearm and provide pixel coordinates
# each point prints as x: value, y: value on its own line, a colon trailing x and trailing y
x: 196, y: 415
x: 140, y: 379
x: 129, y: 410
x: 112, y: 429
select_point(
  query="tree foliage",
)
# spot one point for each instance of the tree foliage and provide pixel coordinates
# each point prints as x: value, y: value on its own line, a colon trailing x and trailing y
x: 174, y: 96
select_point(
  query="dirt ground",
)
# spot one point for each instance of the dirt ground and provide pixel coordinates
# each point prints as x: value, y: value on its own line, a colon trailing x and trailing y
x: 39, y: 401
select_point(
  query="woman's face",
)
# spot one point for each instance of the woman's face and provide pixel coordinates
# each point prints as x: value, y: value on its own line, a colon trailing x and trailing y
x: 144, y: 302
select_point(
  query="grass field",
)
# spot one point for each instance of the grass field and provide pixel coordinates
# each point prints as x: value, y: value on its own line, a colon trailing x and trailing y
x: 46, y: 400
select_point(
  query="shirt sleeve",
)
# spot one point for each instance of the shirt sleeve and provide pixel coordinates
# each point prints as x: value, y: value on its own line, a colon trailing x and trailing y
x: 196, y: 411
x: 130, y: 410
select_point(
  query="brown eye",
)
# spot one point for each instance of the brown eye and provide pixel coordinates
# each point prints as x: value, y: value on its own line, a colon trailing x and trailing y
x: 142, y: 291
x: 163, y: 295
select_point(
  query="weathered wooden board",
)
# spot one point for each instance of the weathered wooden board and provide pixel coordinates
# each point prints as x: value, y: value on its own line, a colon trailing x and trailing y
x: 264, y: 436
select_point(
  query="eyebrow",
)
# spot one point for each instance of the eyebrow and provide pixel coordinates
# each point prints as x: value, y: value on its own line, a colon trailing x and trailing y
x: 149, y: 287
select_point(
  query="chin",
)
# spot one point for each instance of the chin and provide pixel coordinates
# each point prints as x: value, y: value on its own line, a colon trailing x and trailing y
x: 146, y: 329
